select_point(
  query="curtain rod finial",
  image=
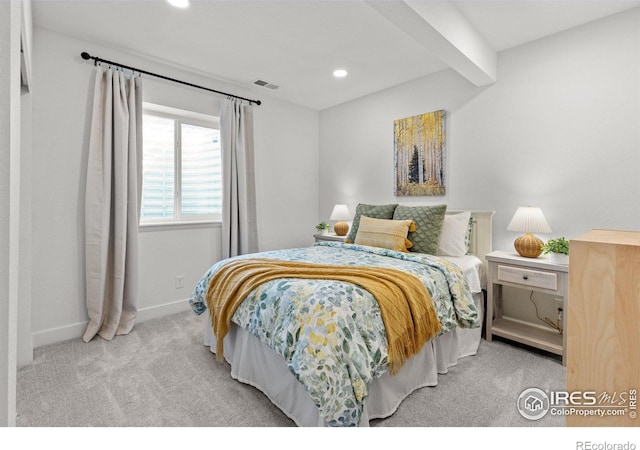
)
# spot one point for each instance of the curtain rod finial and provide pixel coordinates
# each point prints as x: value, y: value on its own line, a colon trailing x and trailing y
x: 85, y: 55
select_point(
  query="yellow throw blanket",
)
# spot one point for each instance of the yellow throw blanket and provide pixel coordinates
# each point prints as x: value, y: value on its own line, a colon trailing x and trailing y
x: 406, y: 306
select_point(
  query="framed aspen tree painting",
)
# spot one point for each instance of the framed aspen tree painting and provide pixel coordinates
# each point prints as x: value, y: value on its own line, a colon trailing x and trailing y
x: 419, y: 154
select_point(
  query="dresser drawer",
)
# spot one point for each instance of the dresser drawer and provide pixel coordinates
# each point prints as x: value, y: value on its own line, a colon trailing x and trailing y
x: 528, y: 277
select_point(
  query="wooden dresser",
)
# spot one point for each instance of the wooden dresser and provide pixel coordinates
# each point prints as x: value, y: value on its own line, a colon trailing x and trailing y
x: 603, y: 327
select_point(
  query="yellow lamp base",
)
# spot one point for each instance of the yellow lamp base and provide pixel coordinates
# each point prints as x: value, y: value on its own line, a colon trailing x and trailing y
x: 341, y: 228
x: 528, y: 246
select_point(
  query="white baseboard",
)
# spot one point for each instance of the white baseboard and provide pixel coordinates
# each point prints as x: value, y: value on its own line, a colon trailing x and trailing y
x: 76, y: 330
x: 166, y: 309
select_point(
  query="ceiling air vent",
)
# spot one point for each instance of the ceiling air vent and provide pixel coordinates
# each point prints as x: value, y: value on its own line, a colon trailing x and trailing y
x: 266, y: 84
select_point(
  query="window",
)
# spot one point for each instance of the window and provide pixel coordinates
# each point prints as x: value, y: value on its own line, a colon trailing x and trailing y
x: 182, y: 167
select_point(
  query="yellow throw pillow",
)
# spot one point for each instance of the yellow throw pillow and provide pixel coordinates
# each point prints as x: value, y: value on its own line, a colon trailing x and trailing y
x: 391, y: 234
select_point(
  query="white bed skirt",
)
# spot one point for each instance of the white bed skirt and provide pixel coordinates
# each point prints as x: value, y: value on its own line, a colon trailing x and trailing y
x: 254, y: 363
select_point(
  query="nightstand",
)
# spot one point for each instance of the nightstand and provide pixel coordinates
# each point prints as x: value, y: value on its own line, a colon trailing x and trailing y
x: 533, y: 274
x: 329, y: 237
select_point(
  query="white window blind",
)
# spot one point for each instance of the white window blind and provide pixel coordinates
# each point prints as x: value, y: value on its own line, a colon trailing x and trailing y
x: 182, y: 169
x: 201, y: 171
x: 158, y: 171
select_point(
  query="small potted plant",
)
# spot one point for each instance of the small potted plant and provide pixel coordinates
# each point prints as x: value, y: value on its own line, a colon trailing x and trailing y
x: 557, y: 249
x: 323, y: 228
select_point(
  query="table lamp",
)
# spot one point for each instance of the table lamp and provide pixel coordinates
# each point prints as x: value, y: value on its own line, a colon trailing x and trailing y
x: 340, y: 213
x: 529, y: 220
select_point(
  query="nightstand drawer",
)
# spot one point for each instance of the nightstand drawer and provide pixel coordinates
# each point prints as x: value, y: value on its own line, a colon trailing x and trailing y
x: 329, y: 238
x: 527, y: 277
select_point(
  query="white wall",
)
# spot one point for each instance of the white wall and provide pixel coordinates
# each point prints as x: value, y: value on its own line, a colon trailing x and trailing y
x: 286, y: 148
x: 356, y: 143
x: 25, y: 339
x: 286, y: 139
x: 10, y: 27
x: 559, y: 129
x: 7, y: 360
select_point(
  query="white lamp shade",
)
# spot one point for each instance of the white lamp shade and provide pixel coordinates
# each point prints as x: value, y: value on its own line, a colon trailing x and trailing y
x: 340, y: 212
x: 529, y: 219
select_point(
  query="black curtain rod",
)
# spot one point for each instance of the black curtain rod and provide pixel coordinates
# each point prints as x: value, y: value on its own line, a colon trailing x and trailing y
x: 97, y: 60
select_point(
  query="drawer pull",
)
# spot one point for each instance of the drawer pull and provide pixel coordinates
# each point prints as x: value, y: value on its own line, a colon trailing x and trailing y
x: 524, y: 277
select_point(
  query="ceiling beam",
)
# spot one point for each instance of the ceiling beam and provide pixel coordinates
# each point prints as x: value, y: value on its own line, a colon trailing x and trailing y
x: 442, y: 29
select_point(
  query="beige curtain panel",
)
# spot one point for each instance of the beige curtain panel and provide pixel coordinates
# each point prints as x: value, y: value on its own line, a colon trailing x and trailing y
x: 239, y: 224
x: 112, y: 204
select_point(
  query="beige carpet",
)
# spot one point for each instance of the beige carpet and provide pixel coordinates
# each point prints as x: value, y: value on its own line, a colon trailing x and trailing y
x: 161, y: 375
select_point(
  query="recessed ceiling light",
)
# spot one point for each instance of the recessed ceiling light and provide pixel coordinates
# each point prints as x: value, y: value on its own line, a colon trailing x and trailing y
x: 180, y: 3
x: 339, y: 73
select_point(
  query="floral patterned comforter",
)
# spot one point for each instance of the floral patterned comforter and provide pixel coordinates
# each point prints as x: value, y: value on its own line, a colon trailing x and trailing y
x: 330, y: 333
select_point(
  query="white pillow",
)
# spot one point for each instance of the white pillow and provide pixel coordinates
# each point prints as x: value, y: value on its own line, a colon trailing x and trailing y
x: 453, y: 234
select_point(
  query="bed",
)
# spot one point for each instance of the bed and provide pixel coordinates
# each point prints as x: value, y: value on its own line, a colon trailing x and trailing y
x: 324, y: 365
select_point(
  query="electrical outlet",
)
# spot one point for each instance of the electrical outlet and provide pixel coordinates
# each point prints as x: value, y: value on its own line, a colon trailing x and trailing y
x: 179, y: 281
x: 559, y: 303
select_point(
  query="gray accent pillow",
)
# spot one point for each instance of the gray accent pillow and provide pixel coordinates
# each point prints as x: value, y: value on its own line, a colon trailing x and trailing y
x: 373, y: 211
x: 428, y: 221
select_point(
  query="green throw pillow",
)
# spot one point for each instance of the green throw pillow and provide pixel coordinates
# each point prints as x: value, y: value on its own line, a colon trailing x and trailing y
x: 428, y: 220
x: 373, y: 211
